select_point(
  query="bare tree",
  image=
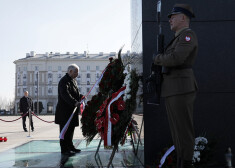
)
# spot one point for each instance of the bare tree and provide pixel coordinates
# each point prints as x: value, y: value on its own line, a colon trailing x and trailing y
x: 2, y: 103
x: 6, y: 104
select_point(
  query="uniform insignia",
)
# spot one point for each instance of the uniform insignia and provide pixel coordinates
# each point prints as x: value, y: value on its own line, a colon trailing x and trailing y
x: 187, y: 38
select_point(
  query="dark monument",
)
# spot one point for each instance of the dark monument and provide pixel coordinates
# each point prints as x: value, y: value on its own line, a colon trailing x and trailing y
x: 214, y: 113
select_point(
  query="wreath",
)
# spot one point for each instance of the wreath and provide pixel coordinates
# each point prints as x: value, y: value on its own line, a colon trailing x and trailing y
x: 113, y: 106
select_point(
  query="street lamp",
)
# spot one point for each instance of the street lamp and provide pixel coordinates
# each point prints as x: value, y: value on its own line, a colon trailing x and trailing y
x: 37, y: 92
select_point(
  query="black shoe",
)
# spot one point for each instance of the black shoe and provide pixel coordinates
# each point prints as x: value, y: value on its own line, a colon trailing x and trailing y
x: 25, y: 130
x: 68, y: 153
x: 32, y: 130
x: 76, y: 150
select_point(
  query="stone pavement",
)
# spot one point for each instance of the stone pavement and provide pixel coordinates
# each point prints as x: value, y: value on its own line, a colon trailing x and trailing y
x: 42, y: 131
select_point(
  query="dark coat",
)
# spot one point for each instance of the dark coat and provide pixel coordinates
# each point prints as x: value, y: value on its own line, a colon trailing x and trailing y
x: 26, y: 103
x: 68, y: 95
x: 180, y: 52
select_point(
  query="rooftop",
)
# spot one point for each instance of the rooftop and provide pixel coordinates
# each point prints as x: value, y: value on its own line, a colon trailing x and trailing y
x: 50, y: 55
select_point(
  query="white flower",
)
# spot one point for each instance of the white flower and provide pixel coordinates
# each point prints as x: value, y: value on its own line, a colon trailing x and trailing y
x: 200, y: 143
x: 196, y: 156
x: 127, y: 83
x: 201, y: 139
x: 127, y: 80
x: 125, y: 71
x: 140, y: 89
x: 128, y: 89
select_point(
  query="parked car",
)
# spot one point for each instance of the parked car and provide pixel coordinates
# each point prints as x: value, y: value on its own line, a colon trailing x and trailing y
x: 7, y: 112
x: 2, y: 112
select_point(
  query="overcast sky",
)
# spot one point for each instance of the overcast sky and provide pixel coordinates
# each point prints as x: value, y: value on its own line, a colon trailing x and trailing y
x: 59, y: 26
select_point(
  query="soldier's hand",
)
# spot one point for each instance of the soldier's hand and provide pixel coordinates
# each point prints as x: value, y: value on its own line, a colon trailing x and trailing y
x: 156, y: 59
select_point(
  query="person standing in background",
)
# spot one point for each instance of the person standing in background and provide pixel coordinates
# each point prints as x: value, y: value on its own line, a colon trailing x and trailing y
x: 26, y: 105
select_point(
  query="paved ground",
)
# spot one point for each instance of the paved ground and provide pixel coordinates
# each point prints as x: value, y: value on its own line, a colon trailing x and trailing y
x: 43, y: 131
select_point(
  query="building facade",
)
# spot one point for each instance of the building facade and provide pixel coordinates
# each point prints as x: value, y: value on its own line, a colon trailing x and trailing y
x: 39, y: 74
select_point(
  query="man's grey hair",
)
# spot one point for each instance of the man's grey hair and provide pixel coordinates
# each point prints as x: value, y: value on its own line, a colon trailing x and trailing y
x: 73, y: 67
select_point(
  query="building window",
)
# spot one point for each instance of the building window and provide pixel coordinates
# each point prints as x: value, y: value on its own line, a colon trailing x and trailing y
x: 50, y: 78
x: 25, y: 68
x: 88, y: 75
x: 97, y: 75
x: 87, y: 90
x: 59, y: 68
x: 88, y: 67
x: 24, y: 76
x: 88, y: 82
x: 24, y: 83
x: 36, y: 78
x: 79, y: 82
x: 50, y: 91
x: 97, y: 68
x: 59, y: 76
x: 50, y: 75
x: 18, y: 107
x: 79, y: 89
x: 49, y: 107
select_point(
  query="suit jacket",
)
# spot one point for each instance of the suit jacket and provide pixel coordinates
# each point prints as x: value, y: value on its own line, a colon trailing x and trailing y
x: 26, y: 103
x: 179, y: 57
x: 68, y: 95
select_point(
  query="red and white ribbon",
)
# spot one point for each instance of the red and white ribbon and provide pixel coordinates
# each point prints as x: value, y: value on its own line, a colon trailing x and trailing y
x: 108, y: 124
x: 82, y: 107
x: 67, y: 124
x: 165, y: 155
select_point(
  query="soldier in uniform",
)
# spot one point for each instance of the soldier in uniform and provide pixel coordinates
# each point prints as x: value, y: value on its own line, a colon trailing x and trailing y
x: 68, y: 98
x: 26, y: 105
x: 179, y: 85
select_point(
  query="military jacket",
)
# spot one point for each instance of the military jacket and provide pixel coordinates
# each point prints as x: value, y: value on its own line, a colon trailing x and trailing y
x: 178, y: 58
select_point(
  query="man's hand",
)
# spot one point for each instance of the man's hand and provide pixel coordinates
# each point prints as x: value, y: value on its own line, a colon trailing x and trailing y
x: 77, y: 104
x: 83, y: 97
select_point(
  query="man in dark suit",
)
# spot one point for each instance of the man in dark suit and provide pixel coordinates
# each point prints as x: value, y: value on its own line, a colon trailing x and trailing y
x: 68, y: 98
x: 179, y: 85
x: 26, y: 105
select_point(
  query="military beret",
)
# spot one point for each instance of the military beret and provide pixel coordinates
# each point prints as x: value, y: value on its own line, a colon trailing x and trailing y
x: 182, y: 8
